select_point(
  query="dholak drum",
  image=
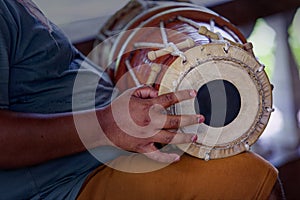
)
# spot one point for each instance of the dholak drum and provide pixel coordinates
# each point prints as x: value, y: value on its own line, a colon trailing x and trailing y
x: 184, y: 46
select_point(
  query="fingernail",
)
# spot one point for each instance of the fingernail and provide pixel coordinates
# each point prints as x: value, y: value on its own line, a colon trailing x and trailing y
x: 193, y: 93
x: 201, y: 119
x: 194, y: 138
x: 177, y: 158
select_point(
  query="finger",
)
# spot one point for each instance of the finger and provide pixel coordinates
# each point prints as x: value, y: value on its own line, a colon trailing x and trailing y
x: 145, y: 92
x: 176, y: 121
x: 162, y: 157
x: 167, y: 137
x: 169, y: 99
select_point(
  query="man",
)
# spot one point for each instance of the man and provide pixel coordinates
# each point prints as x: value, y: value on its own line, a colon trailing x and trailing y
x: 45, y: 137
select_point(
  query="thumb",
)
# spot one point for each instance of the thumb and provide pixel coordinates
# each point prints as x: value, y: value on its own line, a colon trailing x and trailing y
x: 161, y: 156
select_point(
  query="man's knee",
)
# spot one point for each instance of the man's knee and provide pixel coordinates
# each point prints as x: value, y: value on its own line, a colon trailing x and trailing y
x: 245, y: 176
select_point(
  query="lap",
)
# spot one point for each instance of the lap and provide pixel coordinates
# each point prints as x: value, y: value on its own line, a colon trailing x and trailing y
x: 244, y: 176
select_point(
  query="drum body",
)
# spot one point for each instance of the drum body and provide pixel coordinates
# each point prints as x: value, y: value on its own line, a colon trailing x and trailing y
x: 184, y: 46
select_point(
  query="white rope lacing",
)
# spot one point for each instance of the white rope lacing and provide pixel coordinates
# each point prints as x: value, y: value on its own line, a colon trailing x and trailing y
x: 148, y: 44
x: 189, y: 21
x: 212, y: 25
x: 163, y: 33
x: 222, y: 40
x: 132, y: 74
x: 174, y: 50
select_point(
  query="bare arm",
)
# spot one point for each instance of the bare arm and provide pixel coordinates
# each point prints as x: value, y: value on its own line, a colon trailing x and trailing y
x: 29, y: 139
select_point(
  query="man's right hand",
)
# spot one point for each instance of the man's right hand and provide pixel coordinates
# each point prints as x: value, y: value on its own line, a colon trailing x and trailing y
x: 137, y: 119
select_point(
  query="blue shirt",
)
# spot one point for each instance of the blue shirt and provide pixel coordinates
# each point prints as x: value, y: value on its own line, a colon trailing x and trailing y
x: 38, y: 67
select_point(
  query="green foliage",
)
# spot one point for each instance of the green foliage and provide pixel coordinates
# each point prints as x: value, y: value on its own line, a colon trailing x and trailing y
x: 263, y: 39
x: 294, y: 39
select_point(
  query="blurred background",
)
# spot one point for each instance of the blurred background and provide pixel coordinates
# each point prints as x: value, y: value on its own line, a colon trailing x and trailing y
x: 274, y: 29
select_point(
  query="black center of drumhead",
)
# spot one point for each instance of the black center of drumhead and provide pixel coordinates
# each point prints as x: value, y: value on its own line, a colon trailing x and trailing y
x: 219, y: 101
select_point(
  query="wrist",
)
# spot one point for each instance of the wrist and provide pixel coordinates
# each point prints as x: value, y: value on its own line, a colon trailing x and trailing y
x: 88, y: 128
x: 104, y: 126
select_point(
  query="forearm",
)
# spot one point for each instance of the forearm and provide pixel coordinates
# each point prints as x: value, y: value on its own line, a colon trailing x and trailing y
x: 29, y: 139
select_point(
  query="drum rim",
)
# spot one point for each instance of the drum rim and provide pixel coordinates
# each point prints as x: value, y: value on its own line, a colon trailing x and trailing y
x: 252, y: 134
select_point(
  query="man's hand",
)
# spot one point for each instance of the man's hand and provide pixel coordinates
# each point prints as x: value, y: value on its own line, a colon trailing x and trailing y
x: 137, y: 120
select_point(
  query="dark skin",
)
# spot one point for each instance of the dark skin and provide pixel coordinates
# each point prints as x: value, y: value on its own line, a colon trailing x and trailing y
x: 28, y: 139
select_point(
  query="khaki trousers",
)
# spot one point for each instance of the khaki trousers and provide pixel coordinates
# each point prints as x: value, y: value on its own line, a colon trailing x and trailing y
x: 244, y: 176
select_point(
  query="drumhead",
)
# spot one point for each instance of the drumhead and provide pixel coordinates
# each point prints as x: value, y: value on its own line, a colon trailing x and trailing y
x: 237, y: 93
